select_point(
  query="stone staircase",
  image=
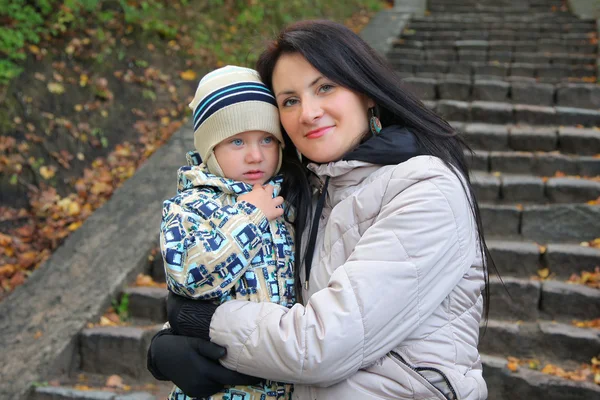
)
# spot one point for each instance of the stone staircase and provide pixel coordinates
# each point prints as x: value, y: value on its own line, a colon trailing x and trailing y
x: 105, y: 351
x: 518, y: 80
x: 515, y: 77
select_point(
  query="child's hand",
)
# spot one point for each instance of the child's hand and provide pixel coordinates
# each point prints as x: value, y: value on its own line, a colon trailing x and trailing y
x: 262, y: 198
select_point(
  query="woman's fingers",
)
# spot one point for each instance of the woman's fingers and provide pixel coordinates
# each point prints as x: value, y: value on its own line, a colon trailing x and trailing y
x: 207, y: 349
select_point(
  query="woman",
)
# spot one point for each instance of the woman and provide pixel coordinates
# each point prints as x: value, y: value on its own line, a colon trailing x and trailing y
x: 392, y: 304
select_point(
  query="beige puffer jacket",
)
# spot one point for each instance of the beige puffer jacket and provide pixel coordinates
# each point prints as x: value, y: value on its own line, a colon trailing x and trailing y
x: 394, y: 300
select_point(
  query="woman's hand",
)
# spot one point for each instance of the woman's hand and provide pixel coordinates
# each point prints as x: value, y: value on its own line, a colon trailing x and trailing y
x: 192, y: 364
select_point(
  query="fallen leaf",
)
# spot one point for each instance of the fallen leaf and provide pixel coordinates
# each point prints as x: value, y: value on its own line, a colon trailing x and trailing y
x: 513, y: 364
x: 74, y: 226
x: 47, y: 172
x: 188, y: 75
x: 56, y: 88
x: 114, y: 381
x: 543, y: 273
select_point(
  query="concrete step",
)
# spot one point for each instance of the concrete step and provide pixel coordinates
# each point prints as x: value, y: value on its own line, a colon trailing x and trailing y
x: 529, y: 384
x: 499, y: 67
x: 522, y: 259
x: 521, y: 56
x: 80, y: 391
x: 462, y: 24
x: 512, y: 10
x: 497, y: 33
x: 498, y: 137
x: 119, y: 350
x: 517, y: 299
x: 522, y: 114
x: 493, y: 42
x: 511, y: 188
x: 157, y: 267
x: 534, y: 163
x: 560, y: 223
x: 531, y: 17
x: 547, y: 341
x: 581, y: 95
x: 147, y: 303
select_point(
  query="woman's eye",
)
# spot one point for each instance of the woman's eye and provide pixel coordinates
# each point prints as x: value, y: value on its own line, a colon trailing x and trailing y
x: 325, y: 88
x: 237, y: 142
x: 289, y: 102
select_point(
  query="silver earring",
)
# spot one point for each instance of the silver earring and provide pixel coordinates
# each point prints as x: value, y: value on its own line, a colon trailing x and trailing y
x: 374, y: 122
x: 299, y: 155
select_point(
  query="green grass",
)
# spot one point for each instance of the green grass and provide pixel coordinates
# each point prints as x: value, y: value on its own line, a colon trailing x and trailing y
x: 211, y: 33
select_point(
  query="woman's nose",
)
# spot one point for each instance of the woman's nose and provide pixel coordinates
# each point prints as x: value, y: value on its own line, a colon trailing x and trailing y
x: 311, y: 110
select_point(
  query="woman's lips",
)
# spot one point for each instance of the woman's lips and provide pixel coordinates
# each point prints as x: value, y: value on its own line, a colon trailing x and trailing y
x: 317, y: 133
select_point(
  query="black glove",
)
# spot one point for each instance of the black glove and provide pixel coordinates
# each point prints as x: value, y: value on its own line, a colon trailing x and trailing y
x: 190, y: 317
x: 191, y: 364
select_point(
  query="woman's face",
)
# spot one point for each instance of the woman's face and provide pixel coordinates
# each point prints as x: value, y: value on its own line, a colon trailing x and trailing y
x: 323, y: 119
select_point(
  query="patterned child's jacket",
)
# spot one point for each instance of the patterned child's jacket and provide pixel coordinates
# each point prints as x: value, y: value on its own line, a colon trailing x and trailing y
x: 215, y: 247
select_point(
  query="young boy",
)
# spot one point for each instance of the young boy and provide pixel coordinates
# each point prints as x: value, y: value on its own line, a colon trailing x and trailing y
x: 227, y: 234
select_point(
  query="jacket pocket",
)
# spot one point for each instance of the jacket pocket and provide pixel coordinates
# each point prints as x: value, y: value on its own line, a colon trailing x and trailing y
x: 431, y: 377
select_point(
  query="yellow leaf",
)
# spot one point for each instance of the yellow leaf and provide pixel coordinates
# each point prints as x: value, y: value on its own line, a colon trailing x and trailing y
x: 5, y: 239
x: 114, y: 381
x: 34, y: 49
x: 56, y: 88
x: 47, y: 172
x: 74, y: 226
x: 512, y: 366
x: 100, y: 187
x: 543, y: 273
x: 37, y: 335
x: 188, y: 75
x: 106, y: 322
x: 78, y: 107
x: 83, y: 80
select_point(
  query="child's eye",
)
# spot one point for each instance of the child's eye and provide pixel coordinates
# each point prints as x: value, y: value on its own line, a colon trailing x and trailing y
x: 237, y: 142
x: 268, y: 140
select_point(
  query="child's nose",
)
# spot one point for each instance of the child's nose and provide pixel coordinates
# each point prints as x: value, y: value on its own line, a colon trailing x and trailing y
x: 254, y: 154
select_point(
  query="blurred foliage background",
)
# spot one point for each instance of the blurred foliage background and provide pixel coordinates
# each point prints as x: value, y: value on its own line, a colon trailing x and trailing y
x: 90, y: 89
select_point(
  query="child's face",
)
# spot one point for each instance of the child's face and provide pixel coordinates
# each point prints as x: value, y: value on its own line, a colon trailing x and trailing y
x: 250, y: 157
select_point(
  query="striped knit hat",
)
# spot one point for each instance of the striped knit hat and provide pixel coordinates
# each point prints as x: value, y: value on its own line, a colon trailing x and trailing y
x: 228, y: 101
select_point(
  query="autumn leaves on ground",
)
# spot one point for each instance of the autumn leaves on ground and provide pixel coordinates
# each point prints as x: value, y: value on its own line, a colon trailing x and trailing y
x: 101, y: 88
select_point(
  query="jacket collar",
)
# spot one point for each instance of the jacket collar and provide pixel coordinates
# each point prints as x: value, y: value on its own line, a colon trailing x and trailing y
x: 393, y: 145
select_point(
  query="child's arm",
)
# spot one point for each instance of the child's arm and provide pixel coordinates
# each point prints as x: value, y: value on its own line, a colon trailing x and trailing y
x: 207, y: 246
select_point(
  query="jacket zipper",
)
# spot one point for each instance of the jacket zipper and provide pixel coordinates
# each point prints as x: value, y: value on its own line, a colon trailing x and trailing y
x: 419, y: 369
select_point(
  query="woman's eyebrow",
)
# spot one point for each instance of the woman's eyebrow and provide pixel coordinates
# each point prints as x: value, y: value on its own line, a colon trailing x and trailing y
x: 288, y: 92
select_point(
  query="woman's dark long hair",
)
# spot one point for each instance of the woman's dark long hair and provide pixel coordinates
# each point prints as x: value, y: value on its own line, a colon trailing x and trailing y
x: 342, y: 56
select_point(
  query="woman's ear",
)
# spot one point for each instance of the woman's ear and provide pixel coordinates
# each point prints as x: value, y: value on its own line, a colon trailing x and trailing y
x: 370, y: 103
